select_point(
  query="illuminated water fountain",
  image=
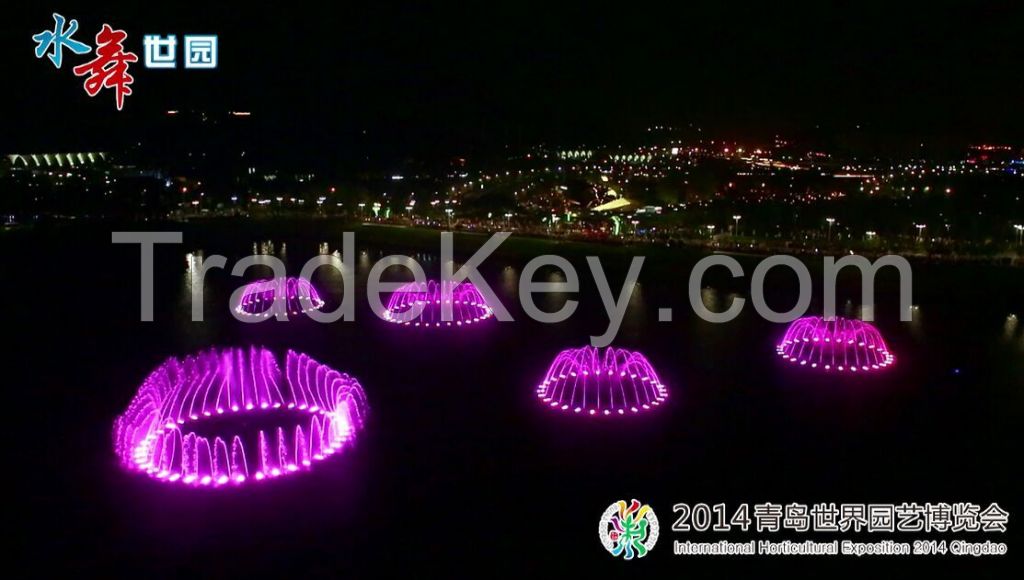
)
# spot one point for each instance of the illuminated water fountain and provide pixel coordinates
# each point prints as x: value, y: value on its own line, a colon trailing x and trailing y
x: 589, y: 381
x: 229, y: 416
x: 265, y: 298
x: 839, y: 344
x: 418, y: 304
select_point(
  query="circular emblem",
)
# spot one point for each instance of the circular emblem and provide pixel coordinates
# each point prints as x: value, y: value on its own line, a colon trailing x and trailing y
x: 628, y: 530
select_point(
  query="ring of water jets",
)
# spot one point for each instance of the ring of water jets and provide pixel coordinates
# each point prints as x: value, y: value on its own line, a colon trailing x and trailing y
x: 838, y: 344
x: 423, y: 304
x: 589, y: 381
x: 265, y: 298
x: 265, y: 423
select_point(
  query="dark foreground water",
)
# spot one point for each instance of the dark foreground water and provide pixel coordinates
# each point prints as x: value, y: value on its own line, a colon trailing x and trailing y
x: 460, y: 471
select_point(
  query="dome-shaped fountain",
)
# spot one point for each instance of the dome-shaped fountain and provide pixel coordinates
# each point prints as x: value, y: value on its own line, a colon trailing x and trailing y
x: 230, y: 416
x: 589, y: 381
x: 417, y: 304
x: 265, y: 298
x: 838, y: 344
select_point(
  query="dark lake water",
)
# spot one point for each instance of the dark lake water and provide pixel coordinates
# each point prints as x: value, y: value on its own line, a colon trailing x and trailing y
x: 460, y: 470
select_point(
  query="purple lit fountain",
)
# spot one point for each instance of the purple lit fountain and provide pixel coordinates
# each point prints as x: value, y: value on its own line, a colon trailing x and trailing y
x: 230, y: 416
x: 839, y: 344
x: 418, y: 304
x: 264, y: 298
x: 588, y: 381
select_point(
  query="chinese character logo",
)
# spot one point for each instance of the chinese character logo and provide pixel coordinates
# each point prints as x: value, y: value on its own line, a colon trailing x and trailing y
x: 159, y: 51
x: 201, y: 51
x: 109, y: 70
x: 110, y: 67
x: 58, y: 39
x: 629, y: 531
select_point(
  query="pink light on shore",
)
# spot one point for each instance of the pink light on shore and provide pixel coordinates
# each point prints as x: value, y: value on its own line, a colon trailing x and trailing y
x: 422, y: 304
x: 231, y: 416
x: 839, y: 344
x: 587, y: 381
x: 265, y: 298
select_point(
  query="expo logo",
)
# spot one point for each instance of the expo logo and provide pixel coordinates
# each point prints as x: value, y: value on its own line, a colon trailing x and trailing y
x: 628, y: 530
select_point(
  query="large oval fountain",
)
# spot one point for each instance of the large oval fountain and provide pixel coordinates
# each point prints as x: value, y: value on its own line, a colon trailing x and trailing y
x: 228, y: 416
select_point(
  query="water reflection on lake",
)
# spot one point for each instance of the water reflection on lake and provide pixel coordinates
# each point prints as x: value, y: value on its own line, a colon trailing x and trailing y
x: 454, y: 420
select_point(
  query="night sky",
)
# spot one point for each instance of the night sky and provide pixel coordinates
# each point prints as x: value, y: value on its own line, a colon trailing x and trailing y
x: 429, y: 78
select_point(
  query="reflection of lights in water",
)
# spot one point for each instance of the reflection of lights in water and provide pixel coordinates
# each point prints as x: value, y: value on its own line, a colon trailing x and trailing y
x: 266, y: 248
x: 193, y: 265
x: 553, y: 300
x: 266, y: 297
x: 333, y: 277
x: 709, y: 296
x: 193, y: 260
x: 324, y: 248
x: 636, y: 297
x: 416, y: 304
x: 588, y: 381
x: 510, y: 281
x: 850, y: 311
x: 916, y: 323
x: 839, y: 344
x: 1010, y: 327
x: 231, y: 416
x: 711, y: 299
x: 733, y: 296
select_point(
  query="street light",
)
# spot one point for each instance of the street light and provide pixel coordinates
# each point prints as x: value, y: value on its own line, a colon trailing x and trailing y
x: 920, y: 229
x: 830, y: 222
x: 1020, y: 233
x: 736, y: 227
x: 711, y: 230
